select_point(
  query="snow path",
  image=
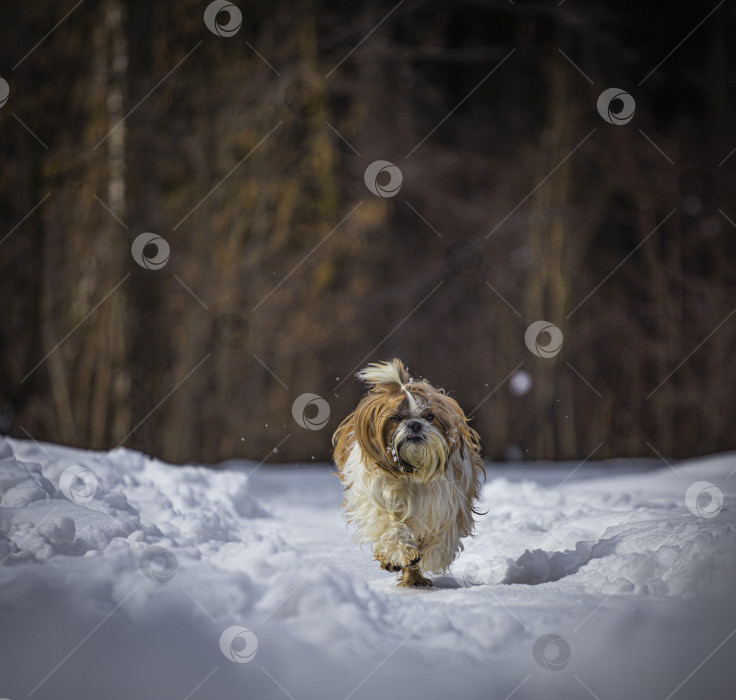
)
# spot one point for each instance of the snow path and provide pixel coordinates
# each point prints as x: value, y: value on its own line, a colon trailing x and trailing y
x: 581, y: 583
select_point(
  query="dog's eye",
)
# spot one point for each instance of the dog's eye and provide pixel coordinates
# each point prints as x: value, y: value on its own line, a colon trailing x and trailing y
x: 396, y: 418
x: 429, y: 417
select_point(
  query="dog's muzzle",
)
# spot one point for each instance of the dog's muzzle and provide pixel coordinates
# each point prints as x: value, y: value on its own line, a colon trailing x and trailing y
x: 401, y: 465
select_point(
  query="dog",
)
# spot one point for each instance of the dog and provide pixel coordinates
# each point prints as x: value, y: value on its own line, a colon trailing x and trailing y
x: 411, y: 471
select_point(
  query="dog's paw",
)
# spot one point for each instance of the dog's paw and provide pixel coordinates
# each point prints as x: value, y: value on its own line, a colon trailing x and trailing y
x: 413, y: 577
x: 388, y: 566
x: 408, y: 556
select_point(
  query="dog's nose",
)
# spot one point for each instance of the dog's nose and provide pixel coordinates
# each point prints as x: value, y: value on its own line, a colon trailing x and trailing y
x: 414, y: 427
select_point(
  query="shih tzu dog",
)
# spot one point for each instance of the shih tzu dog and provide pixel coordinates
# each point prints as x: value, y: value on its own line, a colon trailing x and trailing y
x: 411, y: 470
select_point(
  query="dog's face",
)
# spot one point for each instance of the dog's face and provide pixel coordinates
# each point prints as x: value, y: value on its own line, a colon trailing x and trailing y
x: 408, y: 428
x: 416, y: 434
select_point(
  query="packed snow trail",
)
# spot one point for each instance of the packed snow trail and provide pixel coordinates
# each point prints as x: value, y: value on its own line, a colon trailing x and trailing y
x: 124, y: 577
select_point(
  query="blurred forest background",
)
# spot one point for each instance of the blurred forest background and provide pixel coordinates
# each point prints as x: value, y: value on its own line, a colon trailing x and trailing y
x: 246, y: 154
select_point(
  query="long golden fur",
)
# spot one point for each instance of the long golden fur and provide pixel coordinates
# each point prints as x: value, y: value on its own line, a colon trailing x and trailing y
x: 411, y: 471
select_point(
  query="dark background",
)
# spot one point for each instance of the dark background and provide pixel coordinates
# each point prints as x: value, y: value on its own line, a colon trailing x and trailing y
x: 133, y: 117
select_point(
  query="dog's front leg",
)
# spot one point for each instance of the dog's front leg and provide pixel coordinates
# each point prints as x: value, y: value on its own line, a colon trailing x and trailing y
x: 399, y: 550
x: 396, y: 547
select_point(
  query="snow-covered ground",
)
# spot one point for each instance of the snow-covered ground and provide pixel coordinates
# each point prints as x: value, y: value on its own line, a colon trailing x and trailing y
x: 123, y: 577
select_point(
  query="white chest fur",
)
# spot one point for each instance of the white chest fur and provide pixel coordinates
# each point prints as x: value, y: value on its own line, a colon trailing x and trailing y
x: 434, y: 515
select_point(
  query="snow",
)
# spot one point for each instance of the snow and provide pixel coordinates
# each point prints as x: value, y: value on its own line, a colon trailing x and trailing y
x: 124, y: 577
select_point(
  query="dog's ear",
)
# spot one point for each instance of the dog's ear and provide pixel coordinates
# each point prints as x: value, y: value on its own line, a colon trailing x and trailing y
x: 385, y: 374
x: 368, y: 423
x: 464, y: 437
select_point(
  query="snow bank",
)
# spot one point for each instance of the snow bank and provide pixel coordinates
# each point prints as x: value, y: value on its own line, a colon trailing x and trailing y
x: 123, y: 577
